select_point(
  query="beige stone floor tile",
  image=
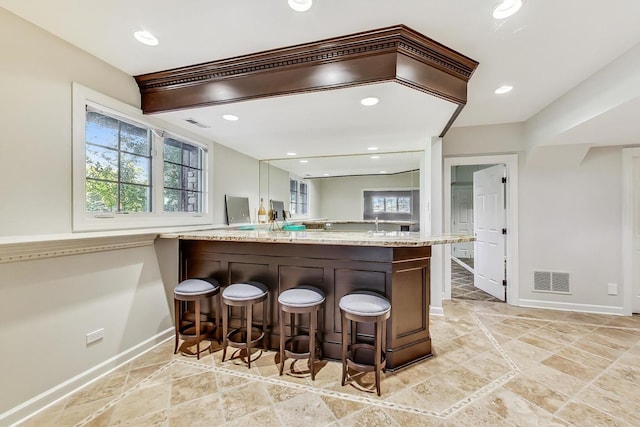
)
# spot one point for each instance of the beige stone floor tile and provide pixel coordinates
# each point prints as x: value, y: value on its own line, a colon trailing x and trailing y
x: 572, y: 368
x: 553, y: 335
x: 561, y: 382
x: 579, y: 414
x: 193, y: 387
x: 439, y: 393
x: 179, y: 370
x: 244, y: 400
x: 629, y: 359
x: 523, y: 354
x: 516, y: 410
x: 618, y: 339
x: 468, y: 381
x: 154, y: 419
x: 308, y: 410
x: 75, y: 414
x: 572, y: 329
x: 537, y: 393
x: 626, y: 409
x: 369, y: 417
x: 109, y: 387
x: 206, y: 411
x: 616, y: 386
x: 341, y: 408
x: 405, y: 418
x: 101, y: 420
x: 625, y: 372
x: 477, y: 342
x: 525, y: 324
x: 591, y: 318
x: 624, y: 321
x: 46, y: 417
x: 584, y: 358
x: 263, y: 418
x: 151, y: 374
x: 599, y: 350
x: 476, y: 416
x: 534, y: 339
x: 505, y: 330
x: 489, y: 365
x: 155, y: 399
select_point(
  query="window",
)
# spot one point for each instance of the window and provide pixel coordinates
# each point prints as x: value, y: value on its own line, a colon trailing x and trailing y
x: 391, y: 204
x: 130, y: 172
x: 298, y: 197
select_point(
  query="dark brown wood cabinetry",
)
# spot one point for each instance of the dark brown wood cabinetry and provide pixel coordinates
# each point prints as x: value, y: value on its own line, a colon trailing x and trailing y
x: 399, y: 273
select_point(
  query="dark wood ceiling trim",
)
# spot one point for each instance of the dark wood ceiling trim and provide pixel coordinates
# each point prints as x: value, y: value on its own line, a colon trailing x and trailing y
x: 395, y: 53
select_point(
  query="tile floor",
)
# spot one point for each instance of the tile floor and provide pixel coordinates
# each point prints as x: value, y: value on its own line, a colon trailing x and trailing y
x: 462, y: 284
x: 493, y: 365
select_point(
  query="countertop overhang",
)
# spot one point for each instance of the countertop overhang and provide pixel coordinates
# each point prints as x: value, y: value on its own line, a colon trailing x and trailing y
x: 347, y: 238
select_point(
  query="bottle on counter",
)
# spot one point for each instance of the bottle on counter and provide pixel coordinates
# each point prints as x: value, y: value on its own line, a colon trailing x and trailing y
x: 262, y: 213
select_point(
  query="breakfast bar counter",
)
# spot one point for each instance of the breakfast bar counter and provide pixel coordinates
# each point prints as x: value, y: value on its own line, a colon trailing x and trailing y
x: 394, y: 264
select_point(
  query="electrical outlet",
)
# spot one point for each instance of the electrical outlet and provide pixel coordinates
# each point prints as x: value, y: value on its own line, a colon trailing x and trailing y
x: 612, y: 289
x: 95, y: 336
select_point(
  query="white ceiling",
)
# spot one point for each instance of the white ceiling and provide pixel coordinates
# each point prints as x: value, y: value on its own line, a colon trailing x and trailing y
x: 543, y: 51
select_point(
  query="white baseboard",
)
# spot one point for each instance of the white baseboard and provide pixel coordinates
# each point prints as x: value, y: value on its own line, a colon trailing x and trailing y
x: 436, y: 311
x: 582, y: 308
x: 42, y: 401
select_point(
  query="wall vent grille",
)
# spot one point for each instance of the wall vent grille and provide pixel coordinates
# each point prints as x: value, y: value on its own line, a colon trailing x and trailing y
x: 551, y: 281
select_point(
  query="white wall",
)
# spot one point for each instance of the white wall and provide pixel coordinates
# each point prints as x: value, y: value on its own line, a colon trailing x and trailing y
x: 341, y: 197
x: 569, y: 214
x: 47, y: 306
x: 570, y: 221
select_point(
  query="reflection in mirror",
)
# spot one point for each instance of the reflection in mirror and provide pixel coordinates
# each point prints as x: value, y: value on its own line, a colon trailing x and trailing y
x: 347, y: 192
x: 237, y: 208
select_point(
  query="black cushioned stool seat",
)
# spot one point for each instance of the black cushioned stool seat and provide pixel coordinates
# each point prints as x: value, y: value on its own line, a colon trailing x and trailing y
x: 300, y: 300
x: 369, y: 307
x: 244, y: 295
x: 189, y: 324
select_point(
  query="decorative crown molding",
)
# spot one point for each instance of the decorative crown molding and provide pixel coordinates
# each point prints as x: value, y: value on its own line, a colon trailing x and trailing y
x: 366, y: 57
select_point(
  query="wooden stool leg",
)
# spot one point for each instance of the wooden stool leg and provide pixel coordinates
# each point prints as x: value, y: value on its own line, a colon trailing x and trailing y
x: 265, y: 324
x: 282, y: 340
x: 248, y: 329
x: 225, y: 330
x: 197, y: 314
x: 378, y: 349
x: 344, y: 348
x: 313, y: 319
x: 218, y: 315
x: 176, y: 309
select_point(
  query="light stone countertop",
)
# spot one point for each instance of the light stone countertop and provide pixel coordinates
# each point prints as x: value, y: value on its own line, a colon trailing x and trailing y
x: 348, y: 238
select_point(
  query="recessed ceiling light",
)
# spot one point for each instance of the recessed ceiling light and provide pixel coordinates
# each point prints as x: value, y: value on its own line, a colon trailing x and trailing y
x: 507, y: 8
x: 383, y: 171
x: 230, y: 117
x: 300, y: 5
x: 372, y: 148
x: 325, y: 174
x: 369, y: 101
x: 304, y: 161
x: 291, y: 153
x: 146, y: 38
x: 503, y: 89
x: 375, y: 157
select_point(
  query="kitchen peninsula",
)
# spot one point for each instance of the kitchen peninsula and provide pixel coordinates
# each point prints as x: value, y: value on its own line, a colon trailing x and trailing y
x: 395, y: 264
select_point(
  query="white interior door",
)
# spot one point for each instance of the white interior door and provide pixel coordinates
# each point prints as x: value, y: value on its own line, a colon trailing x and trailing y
x: 462, y: 219
x: 489, y: 220
x: 635, y: 303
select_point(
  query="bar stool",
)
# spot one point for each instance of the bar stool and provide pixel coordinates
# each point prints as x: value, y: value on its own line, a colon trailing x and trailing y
x: 369, y: 307
x: 300, y: 300
x: 244, y: 295
x: 194, y: 290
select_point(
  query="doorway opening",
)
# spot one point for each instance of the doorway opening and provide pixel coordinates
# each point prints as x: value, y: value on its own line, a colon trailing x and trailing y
x: 480, y: 195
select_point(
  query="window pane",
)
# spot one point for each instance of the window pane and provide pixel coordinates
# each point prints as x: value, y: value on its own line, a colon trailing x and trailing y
x: 101, y: 130
x: 172, y: 151
x: 101, y: 196
x: 134, y: 139
x: 135, y: 169
x: 191, y: 179
x: 172, y: 200
x: 293, y: 185
x: 390, y: 204
x: 404, y: 204
x: 102, y: 163
x: 134, y: 198
x: 191, y: 156
x: 378, y: 204
x: 192, y: 201
x: 172, y: 175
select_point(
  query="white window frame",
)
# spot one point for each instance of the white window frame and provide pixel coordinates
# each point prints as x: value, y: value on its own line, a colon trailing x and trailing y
x: 91, y: 221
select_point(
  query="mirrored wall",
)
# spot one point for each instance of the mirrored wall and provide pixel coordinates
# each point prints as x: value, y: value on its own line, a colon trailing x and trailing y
x: 347, y: 192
